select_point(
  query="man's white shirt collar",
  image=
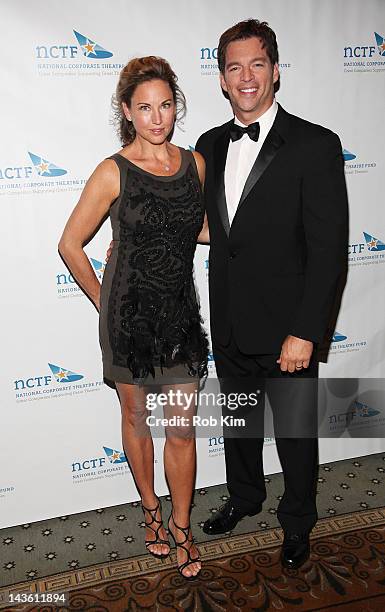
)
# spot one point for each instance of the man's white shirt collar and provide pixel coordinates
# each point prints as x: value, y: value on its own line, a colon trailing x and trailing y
x: 241, y: 156
x: 266, y: 120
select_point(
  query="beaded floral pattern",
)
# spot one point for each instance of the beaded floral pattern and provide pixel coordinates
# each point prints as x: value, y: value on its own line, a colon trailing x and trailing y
x: 154, y: 316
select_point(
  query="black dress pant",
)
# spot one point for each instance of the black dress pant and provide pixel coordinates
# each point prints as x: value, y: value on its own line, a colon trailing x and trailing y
x: 294, y: 408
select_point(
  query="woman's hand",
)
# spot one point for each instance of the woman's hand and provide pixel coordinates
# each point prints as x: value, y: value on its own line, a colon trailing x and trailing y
x: 109, y: 251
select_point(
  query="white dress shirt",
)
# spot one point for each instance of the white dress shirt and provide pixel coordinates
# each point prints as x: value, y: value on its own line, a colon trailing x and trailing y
x: 241, y: 156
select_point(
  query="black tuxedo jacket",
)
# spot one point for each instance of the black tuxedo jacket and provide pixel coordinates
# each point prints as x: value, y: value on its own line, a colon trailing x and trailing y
x: 275, y: 271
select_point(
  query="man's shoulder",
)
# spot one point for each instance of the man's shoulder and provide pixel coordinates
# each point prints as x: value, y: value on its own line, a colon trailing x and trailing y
x: 308, y: 130
x: 211, y: 135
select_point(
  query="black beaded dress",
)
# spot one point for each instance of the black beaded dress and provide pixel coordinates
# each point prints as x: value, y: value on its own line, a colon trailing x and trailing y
x: 150, y: 328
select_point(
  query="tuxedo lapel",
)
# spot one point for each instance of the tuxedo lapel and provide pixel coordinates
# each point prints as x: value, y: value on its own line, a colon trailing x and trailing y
x: 220, y: 153
x: 266, y: 155
x: 273, y: 142
x: 269, y: 149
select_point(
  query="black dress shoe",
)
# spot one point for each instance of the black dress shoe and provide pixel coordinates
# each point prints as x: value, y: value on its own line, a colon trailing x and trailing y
x: 225, y: 519
x: 295, y: 550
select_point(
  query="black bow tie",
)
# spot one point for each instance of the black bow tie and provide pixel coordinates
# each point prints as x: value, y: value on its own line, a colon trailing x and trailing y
x: 252, y: 130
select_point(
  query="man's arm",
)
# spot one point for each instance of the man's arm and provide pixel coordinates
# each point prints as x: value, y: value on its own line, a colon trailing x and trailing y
x: 325, y: 222
x: 202, y: 146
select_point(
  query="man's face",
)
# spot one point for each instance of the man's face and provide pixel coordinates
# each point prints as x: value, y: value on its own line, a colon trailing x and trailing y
x: 249, y: 78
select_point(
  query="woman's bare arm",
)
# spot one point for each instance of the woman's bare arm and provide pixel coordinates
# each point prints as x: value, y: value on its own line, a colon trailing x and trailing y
x: 204, y: 235
x: 101, y: 189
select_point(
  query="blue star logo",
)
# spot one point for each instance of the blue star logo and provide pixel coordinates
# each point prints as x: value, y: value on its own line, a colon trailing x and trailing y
x: 380, y: 43
x: 98, y: 266
x: 63, y: 375
x: 90, y: 48
x: 337, y: 337
x: 115, y: 456
x: 44, y: 167
x: 373, y: 244
x: 348, y: 156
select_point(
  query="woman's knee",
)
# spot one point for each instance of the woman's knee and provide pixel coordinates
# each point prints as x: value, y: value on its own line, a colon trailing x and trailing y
x: 133, y: 416
x: 180, y: 437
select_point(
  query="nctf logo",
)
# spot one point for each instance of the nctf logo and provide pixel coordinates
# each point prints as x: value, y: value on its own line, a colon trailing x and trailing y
x: 373, y: 244
x: 348, y: 156
x: 209, y: 61
x: 60, y: 374
x: 366, y: 50
x: 208, y: 53
x: 363, y: 410
x: 112, y: 455
x: 380, y: 44
x: 341, y: 344
x: 66, y: 284
x: 355, y: 416
x: 98, y: 266
x: 115, y: 456
x: 60, y: 382
x: 338, y: 337
x: 369, y: 251
x: 36, y: 175
x: 112, y: 463
x: 363, y: 57
x: 44, y: 167
x: 40, y: 164
x: 88, y: 47
x: 81, y: 56
x: 358, y: 167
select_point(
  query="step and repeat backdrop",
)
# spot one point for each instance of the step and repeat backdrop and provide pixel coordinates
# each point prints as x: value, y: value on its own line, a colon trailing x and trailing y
x: 61, y: 449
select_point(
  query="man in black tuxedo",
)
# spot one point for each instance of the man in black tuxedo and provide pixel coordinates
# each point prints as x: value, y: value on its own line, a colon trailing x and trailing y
x: 277, y: 213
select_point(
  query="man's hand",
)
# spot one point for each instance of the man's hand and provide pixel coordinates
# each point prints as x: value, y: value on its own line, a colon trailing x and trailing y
x: 295, y: 354
x: 109, y: 251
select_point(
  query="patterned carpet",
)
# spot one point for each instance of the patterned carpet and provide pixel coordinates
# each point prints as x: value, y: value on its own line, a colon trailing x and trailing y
x: 346, y: 570
x: 97, y: 557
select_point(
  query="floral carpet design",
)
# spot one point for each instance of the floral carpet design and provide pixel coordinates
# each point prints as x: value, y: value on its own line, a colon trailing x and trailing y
x: 346, y: 571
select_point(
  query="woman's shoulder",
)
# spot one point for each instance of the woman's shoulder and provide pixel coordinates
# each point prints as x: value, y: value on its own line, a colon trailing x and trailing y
x: 114, y: 164
x: 121, y: 154
x: 108, y: 165
x: 195, y: 159
x: 198, y: 157
x: 106, y: 173
x: 190, y: 152
x: 200, y: 164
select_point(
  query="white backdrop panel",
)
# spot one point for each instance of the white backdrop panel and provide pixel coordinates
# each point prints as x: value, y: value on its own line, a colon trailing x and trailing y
x: 61, y: 449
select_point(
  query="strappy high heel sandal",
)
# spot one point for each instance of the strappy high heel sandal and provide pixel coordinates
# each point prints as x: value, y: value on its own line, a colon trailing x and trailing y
x: 158, y: 540
x: 187, y: 540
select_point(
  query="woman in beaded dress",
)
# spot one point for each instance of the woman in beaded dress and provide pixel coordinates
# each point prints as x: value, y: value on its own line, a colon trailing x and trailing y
x: 150, y: 326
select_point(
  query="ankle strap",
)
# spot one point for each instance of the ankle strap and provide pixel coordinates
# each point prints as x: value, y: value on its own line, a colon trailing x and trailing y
x: 152, y: 509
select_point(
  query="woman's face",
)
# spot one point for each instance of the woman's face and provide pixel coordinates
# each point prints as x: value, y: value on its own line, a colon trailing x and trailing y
x: 152, y: 110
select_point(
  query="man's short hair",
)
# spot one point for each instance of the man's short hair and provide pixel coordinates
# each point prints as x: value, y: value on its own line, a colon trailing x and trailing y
x: 249, y: 28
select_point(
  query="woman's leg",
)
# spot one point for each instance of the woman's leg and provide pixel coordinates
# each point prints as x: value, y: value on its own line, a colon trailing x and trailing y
x: 139, y: 449
x: 180, y: 466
